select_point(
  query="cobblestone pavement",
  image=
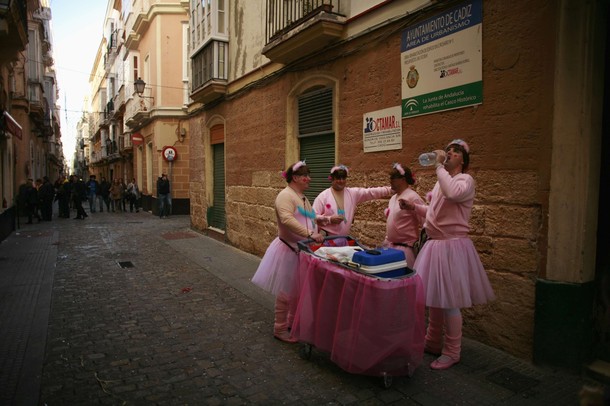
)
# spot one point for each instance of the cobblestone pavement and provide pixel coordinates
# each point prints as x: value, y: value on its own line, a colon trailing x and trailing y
x: 146, y: 311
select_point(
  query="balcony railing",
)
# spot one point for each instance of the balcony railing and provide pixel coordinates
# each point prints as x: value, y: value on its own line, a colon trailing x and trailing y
x: 298, y: 28
x: 34, y: 91
x: 138, y: 111
x: 111, y: 147
x: 119, y: 100
x: 111, y: 50
x: 108, y: 112
x: 283, y: 15
x: 125, y: 143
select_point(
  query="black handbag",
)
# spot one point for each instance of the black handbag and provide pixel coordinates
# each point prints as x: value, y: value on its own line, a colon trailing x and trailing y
x: 419, y: 244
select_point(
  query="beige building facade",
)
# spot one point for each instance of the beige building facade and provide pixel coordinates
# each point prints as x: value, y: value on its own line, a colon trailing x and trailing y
x: 269, y: 88
x: 144, y: 43
x: 30, y: 130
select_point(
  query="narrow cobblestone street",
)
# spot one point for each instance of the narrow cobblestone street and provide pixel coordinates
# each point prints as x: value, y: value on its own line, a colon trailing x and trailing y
x: 146, y: 311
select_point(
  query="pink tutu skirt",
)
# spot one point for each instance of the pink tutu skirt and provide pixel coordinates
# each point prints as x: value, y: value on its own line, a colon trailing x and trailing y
x: 277, y: 272
x: 452, y: 274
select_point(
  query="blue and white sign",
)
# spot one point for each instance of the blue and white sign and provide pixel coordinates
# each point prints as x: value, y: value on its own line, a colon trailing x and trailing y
x: 441, y: 61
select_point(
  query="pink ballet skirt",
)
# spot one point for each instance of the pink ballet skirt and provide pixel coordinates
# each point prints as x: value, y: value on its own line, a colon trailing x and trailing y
x: 277, y: 271
x: 452, y: 274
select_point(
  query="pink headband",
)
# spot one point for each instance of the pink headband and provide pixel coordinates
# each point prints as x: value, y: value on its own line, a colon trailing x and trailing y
x: 296, y: 166
x: 399, y: 168
x: 339, y: 167
x: 462, y: 143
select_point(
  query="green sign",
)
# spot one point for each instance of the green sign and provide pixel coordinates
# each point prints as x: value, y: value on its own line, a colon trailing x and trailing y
x: 454, y: 98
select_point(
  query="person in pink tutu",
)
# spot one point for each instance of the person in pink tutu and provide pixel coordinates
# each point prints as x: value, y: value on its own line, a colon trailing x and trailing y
x: 402, y: 226
x: 336, y: 205
x: 448, y: 263
x: 296, y: 221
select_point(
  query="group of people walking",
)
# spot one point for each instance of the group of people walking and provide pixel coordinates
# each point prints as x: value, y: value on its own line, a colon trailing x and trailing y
x: 36, y: 199
x: 448, y: 263
x: 115, y: 195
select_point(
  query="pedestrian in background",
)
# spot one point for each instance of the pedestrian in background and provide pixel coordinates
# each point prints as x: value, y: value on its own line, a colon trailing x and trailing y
x: 448, y: 262
x: 164, y: 196
x: 98, y: 196
x: 92, y: 190
x: 79, y: 194
x: 296, y: 220
x: 46, y: 196
x: 402, y: 226
x: 134, y: 195
x: 105, y: 193
x: 116, y: 195
x: 67, y: 197
x: 30, y: 200
x: 63, y: 197
x: 124, y: 195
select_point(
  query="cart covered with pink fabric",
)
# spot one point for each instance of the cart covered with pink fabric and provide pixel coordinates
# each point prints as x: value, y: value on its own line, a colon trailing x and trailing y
x: 369, y: 325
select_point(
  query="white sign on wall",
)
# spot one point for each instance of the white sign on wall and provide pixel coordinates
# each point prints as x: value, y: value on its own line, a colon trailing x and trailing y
x: 382, y: 130
x: 441, y: 61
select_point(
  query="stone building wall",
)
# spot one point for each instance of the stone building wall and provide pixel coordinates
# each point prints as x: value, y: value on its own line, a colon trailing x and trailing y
x: 509, y: 135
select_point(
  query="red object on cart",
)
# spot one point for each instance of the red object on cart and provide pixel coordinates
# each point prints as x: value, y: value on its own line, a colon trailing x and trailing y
x: 369, y: 325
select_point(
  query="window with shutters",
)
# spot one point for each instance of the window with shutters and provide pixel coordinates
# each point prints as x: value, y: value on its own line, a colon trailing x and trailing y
x: 316, y: 137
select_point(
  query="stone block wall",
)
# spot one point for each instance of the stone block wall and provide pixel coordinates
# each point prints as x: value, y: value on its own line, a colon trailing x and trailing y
x: 509, y: 135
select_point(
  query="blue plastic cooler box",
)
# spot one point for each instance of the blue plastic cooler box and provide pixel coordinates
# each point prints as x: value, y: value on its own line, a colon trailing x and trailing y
x: 382, y: 262
x: 378, y: 256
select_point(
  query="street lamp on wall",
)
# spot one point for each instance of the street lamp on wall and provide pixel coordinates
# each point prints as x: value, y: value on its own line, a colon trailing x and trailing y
x: 140, y: 86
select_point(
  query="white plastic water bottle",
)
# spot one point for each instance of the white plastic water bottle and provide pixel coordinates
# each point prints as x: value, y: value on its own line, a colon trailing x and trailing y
x: 427, y: 159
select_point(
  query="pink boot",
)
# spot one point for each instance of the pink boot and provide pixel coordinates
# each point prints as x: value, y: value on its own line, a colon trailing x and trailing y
x: 453, y: 343
x: 290, y: 320
x: 280, y: 327
x: 434, y: 333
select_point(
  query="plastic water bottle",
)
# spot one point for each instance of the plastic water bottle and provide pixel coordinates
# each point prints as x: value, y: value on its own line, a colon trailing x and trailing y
x: 427, y: 159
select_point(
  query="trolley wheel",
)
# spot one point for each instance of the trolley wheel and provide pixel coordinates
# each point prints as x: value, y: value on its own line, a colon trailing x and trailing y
x: 387, y: 380
x: 305, y: 351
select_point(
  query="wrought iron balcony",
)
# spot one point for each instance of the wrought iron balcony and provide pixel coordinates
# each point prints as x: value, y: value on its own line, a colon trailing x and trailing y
x: 296, y: 28
x: 108, y: 113
x: 119, y: 103
x: 111, y: 50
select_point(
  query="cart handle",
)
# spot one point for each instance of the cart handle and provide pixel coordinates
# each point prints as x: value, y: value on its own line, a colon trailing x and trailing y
x: 303, y: 245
